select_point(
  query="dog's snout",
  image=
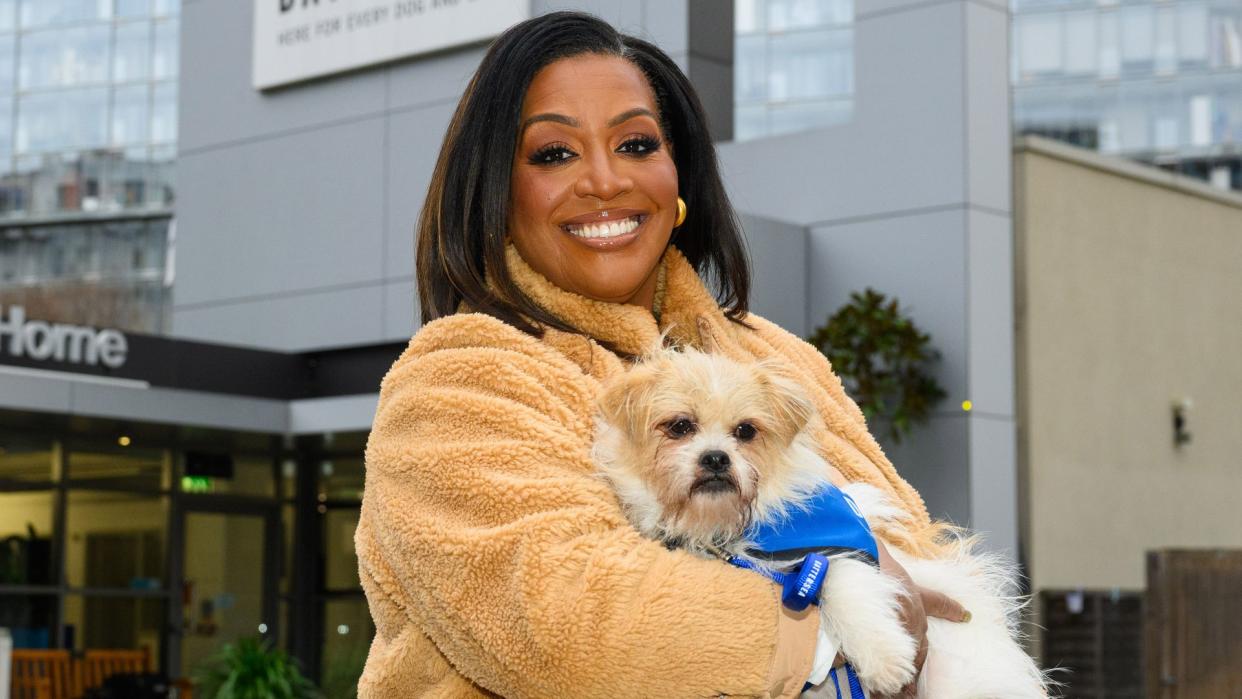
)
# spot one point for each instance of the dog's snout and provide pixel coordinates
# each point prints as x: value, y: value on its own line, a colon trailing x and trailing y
x: 714, y: 461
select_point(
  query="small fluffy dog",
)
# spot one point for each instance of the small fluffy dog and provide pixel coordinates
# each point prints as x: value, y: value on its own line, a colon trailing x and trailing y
x: 701, y: 448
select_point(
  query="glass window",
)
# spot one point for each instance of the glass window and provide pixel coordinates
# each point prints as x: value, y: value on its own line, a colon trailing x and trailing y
x: 115, y: 540
x: 750, y: 78
x: 115, y: 622
x: 164, y: 60
x: 748, y: 16
x: 1110, y: 45
x: 810, y: 65
x: 340, y: 559
x: 27, y: 459
x: 133, y: 8
x: 8, y: 15
x: 64, y: 57
x: 1166, y: 40
x: 784, y: 15
x: 1039, y: 45
x: 207, y: 472
x: 123, y: 464
x: 164, y: 113
x: 132, y: 57
x: 341, y: 479
x: 64, y: 120
x: 42, y: 13
x: 167, y: 7
x: 30, y: 619
x: 1080, y: 46
x: 1192, y: 36
x: 347, y: 634
x: 131, y: 115
x: 1137, y: 40
x: 792, y: 118
x: 6, y: 64
x: 26, y: 538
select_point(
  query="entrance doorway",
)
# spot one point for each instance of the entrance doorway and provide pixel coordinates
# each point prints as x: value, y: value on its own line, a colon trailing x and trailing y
x: 229, y: 570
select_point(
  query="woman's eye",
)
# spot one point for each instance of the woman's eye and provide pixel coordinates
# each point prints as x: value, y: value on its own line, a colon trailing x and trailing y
x: 551, y: 155
x: 745, y: 432
x: 642, y: 145
x: 681, y: 427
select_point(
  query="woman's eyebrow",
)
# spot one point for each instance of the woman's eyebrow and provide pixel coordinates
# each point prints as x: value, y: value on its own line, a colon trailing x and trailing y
x: 570, y: 121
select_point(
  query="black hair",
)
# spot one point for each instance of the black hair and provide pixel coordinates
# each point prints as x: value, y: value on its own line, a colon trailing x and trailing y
x: 462, y: 229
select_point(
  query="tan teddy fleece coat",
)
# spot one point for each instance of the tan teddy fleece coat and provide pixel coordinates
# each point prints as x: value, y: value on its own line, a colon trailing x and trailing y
x: 495, y: 560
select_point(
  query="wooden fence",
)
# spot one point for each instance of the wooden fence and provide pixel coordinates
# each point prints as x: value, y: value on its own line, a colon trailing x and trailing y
x: 1193, y: 624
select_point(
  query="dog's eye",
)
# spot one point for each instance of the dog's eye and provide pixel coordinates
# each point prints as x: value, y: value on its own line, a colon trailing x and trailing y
x: 681, y: 428
x: 745, y: 432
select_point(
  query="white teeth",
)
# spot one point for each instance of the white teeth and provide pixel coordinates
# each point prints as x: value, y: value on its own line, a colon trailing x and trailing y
x: 605, y: 229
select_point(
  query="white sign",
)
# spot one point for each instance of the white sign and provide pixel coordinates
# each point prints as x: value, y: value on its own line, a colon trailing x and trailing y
x: 74, y: 344
x: 299, y: 39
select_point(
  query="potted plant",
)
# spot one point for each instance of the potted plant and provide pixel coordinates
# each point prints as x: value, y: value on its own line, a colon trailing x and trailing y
x: 882, y: 358
x: 252, y: 669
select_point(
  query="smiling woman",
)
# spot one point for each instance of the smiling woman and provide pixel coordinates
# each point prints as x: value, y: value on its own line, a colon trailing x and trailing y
x: 594, y: 185
x: 573, y: 218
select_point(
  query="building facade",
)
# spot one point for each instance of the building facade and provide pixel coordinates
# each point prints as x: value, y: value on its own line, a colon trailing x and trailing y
x: 1154, y: 81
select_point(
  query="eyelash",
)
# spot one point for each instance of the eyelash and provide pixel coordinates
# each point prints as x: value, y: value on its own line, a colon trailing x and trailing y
x: 540, y: 157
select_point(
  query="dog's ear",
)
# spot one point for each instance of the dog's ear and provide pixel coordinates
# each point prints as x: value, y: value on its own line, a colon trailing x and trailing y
x: 790, y: 402
x: 626, y: 400
x: 707, y: 341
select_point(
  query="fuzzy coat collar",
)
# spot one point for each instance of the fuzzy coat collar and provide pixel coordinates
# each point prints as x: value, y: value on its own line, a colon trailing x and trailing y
x: 681, y: 303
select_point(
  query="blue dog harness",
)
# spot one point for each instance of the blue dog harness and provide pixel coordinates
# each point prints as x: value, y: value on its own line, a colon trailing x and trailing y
x: 826, y: 524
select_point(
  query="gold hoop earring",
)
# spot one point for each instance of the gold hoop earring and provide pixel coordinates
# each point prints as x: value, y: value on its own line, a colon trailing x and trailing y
x: 681, y: 212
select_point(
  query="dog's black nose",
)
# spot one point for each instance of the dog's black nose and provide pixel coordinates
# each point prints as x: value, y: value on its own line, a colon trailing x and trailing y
x: 715, y: 461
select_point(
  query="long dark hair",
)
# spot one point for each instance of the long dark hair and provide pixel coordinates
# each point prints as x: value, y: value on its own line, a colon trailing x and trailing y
x: 464, y: 220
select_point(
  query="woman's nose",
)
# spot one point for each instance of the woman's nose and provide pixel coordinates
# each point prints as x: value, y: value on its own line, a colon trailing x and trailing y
x: 600, y: 178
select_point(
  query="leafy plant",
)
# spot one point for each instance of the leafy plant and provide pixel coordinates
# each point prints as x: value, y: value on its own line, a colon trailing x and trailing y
x: 342, y: 670
x: 881, y: 357
x: 252, y: 669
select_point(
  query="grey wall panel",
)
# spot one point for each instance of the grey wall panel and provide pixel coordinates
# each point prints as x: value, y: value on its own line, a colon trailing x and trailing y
x: 993, y: 482
x: 23, y: 392
x: 626, y: 15
x: 401, y: 312
x: 218, y: 104
x: 339, y: 414
x: 280, y: 215
x: 414, y: 139
x: 933, y: 460
x: 988, y: 130
x: 297, y: 322
x: 778, y: 272
x: 903, y: 148
x: 666, y: 23
x: 990, y: 320
x: 433, y: 79
x: 168, y: 406
x: 921, y: 260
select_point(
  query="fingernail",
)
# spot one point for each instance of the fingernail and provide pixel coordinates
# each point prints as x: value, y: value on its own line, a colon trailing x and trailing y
x: 966, y: 616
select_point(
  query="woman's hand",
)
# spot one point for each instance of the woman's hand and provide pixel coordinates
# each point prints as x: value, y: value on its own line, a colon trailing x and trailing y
x: 915, y: 608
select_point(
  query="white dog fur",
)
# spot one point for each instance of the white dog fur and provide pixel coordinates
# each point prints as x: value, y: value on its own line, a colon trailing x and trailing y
x: 654, y: 472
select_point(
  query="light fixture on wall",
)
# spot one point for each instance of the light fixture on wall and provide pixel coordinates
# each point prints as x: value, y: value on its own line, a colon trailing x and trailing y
x: 1181, y: 410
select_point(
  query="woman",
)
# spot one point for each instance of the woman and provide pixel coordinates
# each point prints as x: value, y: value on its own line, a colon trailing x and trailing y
x: 574, y: 205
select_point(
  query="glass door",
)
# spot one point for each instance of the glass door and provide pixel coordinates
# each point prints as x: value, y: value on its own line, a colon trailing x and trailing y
x: 228, y: 582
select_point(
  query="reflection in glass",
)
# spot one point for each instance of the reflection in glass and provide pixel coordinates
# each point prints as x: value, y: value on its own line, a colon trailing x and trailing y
x: 115, y: 622
x: 30, y: 619
x: 347, y: 634
x: 223, y: 598
x: 164, y: 113
x: 22, y: 458
x: 64, y: 57
x: 130, y: 122
x: 341, y: 479
x: 41, y: 13
x: 131, y: 466
x: 26, y: 538
x: 220, y: 473
x: 131, y: 60
x: 115, y: 540
x: 164, y: 58
x: 62, y: 120
x: 340, y: 559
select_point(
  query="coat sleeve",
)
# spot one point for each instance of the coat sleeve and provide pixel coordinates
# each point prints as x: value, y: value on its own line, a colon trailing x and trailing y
x: 484, y: 524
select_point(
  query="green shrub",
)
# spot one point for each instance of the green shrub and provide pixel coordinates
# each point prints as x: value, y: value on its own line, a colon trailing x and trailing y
x: 881, y: 357
x: 252, y: 669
